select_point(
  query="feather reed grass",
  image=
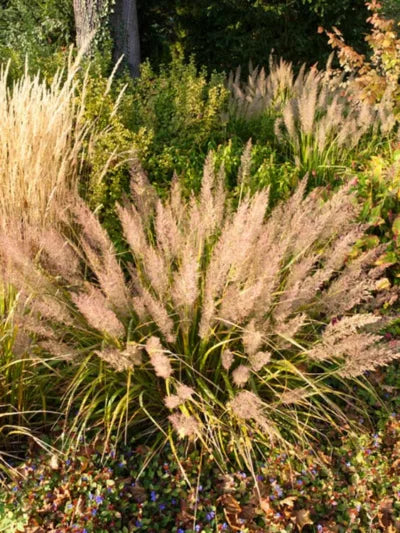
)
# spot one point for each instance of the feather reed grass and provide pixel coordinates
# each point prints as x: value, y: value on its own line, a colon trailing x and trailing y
x: 41, y: 139
x: 227, y: 327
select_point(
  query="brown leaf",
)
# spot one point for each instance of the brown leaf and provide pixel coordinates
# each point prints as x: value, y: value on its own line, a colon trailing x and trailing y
x: 289, y: 501
x: 229, y: 503
x: 303, y: 518
x: 139, y: 493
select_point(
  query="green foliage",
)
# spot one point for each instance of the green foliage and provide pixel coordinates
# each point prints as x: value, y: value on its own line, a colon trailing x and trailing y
x: 105, y: 176
x: 176, y: 117
x: 226, y: 33
x: 39, y: 30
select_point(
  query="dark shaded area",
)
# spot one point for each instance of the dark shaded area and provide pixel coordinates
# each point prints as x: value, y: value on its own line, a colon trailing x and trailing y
x: 226, y: 33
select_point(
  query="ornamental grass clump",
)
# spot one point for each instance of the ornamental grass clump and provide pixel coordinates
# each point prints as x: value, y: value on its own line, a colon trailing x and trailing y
x: 40, y: 142
x: 222, y: 325
x: 319, y: 119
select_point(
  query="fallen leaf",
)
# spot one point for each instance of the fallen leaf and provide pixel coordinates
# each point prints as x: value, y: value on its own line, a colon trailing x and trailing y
x: 303, y: 518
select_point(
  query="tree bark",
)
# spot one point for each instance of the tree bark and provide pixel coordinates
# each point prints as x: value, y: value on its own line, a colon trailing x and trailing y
x: 125, y: 33
x: 87, y: 20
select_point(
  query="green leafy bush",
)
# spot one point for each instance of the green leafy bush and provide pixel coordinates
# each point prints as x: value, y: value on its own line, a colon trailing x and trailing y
x: 176, y: 116
x: 39, y: 30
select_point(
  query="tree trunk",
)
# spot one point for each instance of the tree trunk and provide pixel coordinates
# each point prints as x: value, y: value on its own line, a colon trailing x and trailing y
x: 125, y: 33
x: 87, y: 20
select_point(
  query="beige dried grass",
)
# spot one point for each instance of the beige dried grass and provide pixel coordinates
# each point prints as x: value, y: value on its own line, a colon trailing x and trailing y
x: 42, y: 132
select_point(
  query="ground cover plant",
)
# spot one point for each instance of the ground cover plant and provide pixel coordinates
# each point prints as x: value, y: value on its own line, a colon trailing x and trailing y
x: 353, y: 488
x: 200, y: 294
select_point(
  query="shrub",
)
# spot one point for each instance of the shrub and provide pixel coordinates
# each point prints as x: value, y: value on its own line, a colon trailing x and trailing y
x: 176, y: 117
x: 230, y: 328
x: 375, y: 78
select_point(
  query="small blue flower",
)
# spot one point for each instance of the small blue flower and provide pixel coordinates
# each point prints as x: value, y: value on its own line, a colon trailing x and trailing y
x: 174, y: 501
x: 210, y: 516
x: 243, y: 475
x: 319, y: 527
x: 200, y: 488
x: 162, y: 506
x: 69, y: 506
x: 153, y: 496
x: 180, y: 530
x: 90, y: 496
x: 68, y: 462
x: 300, y: 482
x: 278, y: 515
x: 94, y: 512
x: 224, y: 526
x: 260, y: 478
x: 138, y: 523
x: 99, y: 500
x: 197, y: 528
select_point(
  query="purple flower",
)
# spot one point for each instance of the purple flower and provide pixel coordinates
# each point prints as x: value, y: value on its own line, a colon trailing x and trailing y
x: 94, y: 512
x: 260, y: 478
x: 180, y: 530
x: 99, y: 499
x: 68, y: 462
x: 138, y: 523
x: 300, y: 482
x: 200, y: 488
x: 197, y: 528
x: 319, y: 527
x: 153, y: 496
x: 210, y: 516
x: 162, y: 506
x: 224, y: 526
x: 174, y: 501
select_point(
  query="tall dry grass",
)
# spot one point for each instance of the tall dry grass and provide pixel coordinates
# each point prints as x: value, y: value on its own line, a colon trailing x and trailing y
x: 318, y: 119
x: 41, y: 139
